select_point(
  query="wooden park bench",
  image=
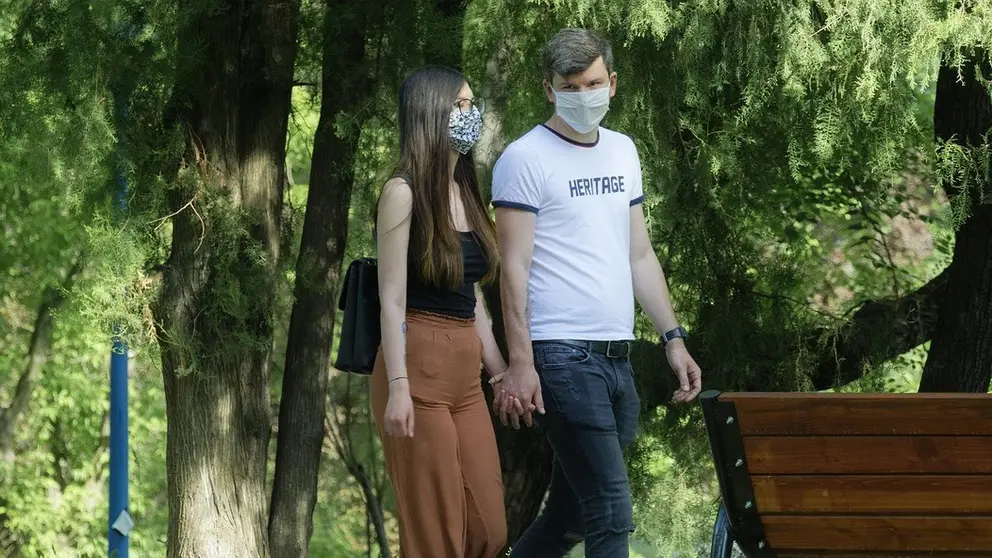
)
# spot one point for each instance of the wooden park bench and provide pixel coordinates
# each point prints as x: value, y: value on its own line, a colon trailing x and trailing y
x: 852, y: 475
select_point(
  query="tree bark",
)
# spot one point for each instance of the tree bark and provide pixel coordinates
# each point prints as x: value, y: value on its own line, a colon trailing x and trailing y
x: 214, y: 312
x: 960, y: 358
x: 318, y: 266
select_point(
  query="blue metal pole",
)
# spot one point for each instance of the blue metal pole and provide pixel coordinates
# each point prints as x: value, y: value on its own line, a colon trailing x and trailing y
x: 120, y: 522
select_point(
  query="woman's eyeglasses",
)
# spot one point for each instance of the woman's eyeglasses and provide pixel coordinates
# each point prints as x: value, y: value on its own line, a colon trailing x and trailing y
x: 465, y: 105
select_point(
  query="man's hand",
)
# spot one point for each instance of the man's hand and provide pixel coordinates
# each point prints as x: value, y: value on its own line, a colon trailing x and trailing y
x: 688, y: 372
x: 518, y: 394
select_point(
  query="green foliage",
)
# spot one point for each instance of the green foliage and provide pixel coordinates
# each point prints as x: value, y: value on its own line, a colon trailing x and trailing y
x: 55, y: 490
x: 786, y: 150
x: 763, y: 128
x: 790, y: 170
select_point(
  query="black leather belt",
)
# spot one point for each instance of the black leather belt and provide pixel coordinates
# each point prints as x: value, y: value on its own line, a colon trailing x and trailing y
x: 612, y: 349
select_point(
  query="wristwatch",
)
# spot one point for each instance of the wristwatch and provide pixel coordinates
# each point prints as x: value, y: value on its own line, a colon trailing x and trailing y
x: 673, y: 334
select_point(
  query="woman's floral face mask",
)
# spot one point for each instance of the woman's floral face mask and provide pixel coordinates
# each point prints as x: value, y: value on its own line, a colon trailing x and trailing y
x: 464, y: 129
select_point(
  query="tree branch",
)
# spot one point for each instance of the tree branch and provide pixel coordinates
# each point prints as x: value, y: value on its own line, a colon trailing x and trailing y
x: 38, y: 352
x: 346, y: 453
x: 878, y: 331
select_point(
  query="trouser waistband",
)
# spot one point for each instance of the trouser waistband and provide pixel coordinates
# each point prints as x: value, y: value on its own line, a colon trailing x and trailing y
x: 612, y: 349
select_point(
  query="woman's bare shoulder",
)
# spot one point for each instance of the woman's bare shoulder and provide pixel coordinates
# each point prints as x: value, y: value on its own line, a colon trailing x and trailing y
x: 395, y: 203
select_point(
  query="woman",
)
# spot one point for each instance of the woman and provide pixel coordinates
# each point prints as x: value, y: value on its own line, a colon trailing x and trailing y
x: 435, y: 243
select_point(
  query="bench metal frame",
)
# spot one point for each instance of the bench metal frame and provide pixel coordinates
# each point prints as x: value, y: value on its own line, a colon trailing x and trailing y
x: 722, y: 545
x: 738, y: 519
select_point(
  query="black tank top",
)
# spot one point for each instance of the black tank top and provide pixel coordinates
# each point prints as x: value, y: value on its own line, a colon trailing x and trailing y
x: 459, y: 303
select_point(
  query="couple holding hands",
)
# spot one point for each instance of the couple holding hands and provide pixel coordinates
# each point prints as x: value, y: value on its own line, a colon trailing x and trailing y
x: 571, y: 250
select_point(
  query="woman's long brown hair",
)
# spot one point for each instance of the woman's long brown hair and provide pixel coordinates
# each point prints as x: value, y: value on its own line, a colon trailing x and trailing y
x: 426, y: 100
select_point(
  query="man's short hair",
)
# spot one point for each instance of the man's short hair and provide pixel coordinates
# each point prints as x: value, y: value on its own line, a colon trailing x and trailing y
x: 572, y: 51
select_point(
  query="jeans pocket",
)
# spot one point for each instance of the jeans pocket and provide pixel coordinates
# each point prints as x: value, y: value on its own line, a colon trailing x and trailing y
x: 552, y: 356
x: 556, y: 365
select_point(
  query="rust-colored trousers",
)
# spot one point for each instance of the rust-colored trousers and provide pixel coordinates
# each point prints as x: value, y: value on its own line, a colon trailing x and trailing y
x: 446, y: 478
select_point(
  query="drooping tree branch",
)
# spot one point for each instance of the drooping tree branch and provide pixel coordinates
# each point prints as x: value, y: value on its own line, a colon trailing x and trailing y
x: 879, y: 330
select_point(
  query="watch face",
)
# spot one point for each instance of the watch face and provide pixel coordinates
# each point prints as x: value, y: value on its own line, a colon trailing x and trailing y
x: 676, y: 333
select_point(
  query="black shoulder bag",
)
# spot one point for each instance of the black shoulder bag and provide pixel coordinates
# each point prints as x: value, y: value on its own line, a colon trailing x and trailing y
x: 360, y: 332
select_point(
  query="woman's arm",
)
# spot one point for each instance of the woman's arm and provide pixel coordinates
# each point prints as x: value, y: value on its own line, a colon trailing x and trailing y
x: 492, y: 359
x: 393, y: 239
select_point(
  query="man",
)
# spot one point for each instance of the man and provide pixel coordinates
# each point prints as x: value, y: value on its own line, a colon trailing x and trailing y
x: 576, y: 252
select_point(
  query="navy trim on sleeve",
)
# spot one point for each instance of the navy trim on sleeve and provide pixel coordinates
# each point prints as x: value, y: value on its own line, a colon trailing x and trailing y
x: 637, y: 200
x: 514, y: 205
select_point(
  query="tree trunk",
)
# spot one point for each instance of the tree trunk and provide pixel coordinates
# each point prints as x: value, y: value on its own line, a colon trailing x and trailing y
x: 322, y: 248
x: 525, y: 457
x: 960, y: 356
x: 214, y: 313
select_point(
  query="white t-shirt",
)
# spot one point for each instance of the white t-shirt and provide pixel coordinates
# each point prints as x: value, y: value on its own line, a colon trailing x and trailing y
x: 580, y: 283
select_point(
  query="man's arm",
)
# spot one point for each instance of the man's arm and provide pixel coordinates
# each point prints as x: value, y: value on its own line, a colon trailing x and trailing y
x: 520, y: 388
x: 517, y: 184
x: 516, y: 241
x: 650, y: 286
x: 651, y: 290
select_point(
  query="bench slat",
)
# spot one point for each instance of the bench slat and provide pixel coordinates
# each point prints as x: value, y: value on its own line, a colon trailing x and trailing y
x: 883, y: 554
x: 825, y: 414
x: 894, y: 455
x: 921, y: 494
x: 877, y: 533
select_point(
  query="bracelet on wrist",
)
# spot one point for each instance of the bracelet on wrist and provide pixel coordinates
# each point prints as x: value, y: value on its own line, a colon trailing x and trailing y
x: 397, y: 378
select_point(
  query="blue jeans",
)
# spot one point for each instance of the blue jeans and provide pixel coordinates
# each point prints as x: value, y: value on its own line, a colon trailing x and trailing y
x: 591, y: 407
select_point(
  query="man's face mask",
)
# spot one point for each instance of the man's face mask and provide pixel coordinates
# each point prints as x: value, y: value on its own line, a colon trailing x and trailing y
x: 464, y: 129
x: 583, y: 110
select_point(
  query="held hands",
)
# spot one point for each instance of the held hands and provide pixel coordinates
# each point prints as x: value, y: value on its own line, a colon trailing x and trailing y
x: 685, y: 368
x: 499, y: 396
x: 517, y: 394
x: 399, y: 410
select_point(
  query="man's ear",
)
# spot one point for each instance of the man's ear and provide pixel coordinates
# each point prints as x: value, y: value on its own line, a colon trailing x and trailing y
x: 613, y: 84
x: 549, y: 92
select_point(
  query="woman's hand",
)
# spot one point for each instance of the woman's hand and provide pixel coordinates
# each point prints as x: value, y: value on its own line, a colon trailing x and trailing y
x: 498, y: 397
x: 399, y: 410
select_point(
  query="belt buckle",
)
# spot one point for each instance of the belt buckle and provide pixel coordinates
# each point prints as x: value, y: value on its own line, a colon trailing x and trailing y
x: 624, y: 347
